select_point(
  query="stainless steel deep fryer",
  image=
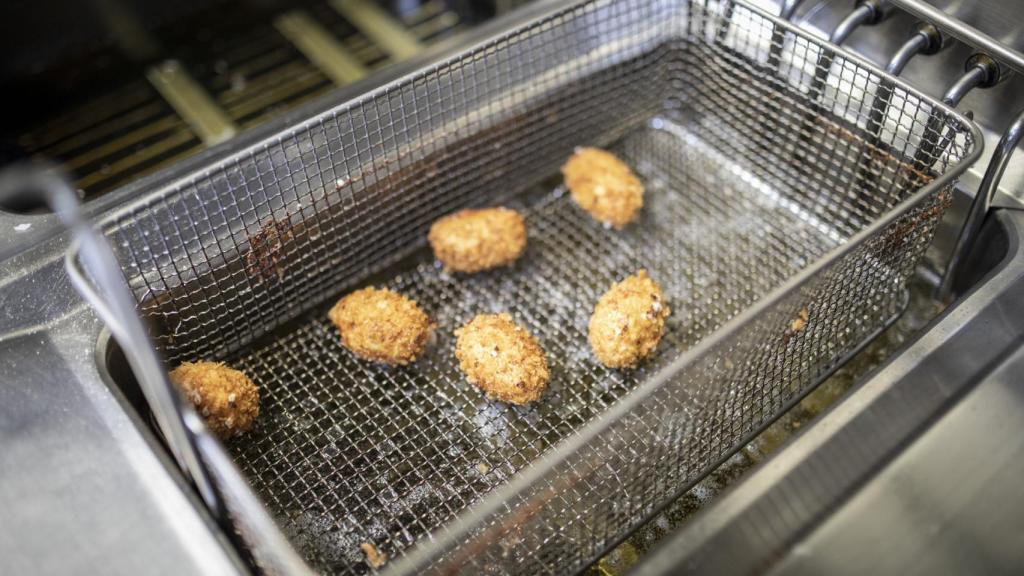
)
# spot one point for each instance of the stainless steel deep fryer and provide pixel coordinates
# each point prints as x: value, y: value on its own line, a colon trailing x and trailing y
x: 783, y: 218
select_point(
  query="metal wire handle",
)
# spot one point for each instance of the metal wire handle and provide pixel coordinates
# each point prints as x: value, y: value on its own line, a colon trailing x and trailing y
x: 97, y: 277
x: 981, y: 204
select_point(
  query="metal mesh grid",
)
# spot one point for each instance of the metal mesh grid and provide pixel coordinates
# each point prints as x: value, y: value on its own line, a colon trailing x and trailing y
x: 748, y: 183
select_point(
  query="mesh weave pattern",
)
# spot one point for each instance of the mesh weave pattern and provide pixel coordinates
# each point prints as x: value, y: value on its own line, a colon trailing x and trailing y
x: 749, y: 182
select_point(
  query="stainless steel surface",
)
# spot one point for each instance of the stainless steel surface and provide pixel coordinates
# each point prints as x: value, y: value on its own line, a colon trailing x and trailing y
x: 292, y: 221
x: 126, y: 474
x: 788, y: 8
x: 100, y: 282
x: 980, y: 207
x: 83, y: 488
x: 993, y: 108
x: 992, y: 25
x: 950, y: 504
x: 764, y: 522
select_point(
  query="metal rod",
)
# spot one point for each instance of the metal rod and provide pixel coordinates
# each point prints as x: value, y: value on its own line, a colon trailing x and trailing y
x: 98, y: 278
x: 724, y: 22
x: 981, y: 72
x: 969, y: 81
x: 861, y: 15
x: 778, y: 36
x: 379, y: 27
x: 926, y: 40
x: 916, y: 45
x: 867, y: 12
x: 191, y: 102
x: 981, y: 204
x: 322, y: 49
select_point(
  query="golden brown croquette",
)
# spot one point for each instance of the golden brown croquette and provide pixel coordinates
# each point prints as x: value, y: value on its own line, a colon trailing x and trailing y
x: 502, y: 359
x: 374, y: 557
x: 604, y: 186
x: 628, y: 321
x: 478, y: 239
x: 226, y: 398
x: 381, y: 325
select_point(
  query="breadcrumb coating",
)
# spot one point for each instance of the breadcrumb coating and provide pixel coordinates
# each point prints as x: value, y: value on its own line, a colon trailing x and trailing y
x: 501, y: 358
x: 381, y: 325
x: 478, y: 239
x: 628, y: 321
x: 375, y: 558
x: 226, y: 398
x: 604, y: 186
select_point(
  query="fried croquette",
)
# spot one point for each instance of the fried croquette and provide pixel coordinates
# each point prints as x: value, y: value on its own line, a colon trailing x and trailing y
x: 604, y: 186
x: 226, y: 398
x: 628, y: 321
x: 478, y: 239
x: 381, y: 325
x: 502, y: 359
x: 374, y: 557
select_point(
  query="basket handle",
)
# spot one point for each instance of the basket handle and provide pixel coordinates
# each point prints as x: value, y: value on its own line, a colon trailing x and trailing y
x: 981, y: 204
x: 96, y: 275
x: 94, y: 271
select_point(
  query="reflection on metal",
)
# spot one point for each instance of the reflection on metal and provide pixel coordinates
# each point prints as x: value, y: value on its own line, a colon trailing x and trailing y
x: 926, y: 40
x: 333, y: 59
x: 191, y: 102
x: 980, y: 71
x: 377, y: 25
x: 867, y: 12
x: 995, y: 27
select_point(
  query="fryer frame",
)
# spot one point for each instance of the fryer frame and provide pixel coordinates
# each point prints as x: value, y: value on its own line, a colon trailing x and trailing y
x: 426, y: 553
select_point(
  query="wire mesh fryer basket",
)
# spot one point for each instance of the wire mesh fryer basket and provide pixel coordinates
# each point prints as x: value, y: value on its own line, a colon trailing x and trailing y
x: 764, y: 207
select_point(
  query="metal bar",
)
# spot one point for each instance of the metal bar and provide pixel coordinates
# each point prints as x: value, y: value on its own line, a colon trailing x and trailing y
x: 916, y: 45
x: 122, y: 143
x: 320, y: 46
x: 379, y: 27
x: 173, y: 140
x: 866, y: 12
x: 440, y: 23
x: 861, y: 15
x: 970, y: 80
x: 99, y: 111
x: 968, y: 34
x: 981, y: 72
x: 778, y: 36
x: 423, y: 12
x: 191, y: 102
x: 981, y: 203
x: 290, y: 84
x: 926, y: 40
x: 114, y: 125
x: 94, y: 271
x: 724, y: 21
